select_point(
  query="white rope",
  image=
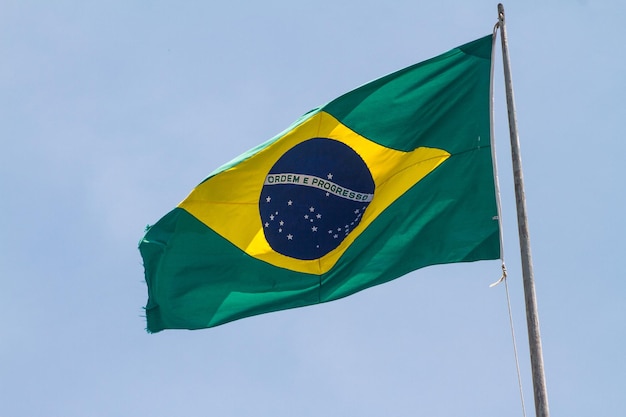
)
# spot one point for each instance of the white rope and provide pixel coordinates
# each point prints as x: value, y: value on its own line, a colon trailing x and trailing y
x: 519, y: 375
x: 494, y: 159
x: 499, y: 207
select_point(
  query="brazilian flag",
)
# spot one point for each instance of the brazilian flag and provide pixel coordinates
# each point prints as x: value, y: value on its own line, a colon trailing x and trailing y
x: 388, y: 178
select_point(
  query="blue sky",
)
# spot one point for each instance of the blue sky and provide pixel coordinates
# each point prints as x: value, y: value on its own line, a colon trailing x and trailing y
x: 111, y: 112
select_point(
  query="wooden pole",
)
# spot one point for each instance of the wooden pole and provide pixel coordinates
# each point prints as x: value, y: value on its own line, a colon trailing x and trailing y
x: 532, y: 318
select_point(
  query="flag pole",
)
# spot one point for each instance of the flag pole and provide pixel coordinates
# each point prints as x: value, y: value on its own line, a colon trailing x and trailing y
x: 532, y: 318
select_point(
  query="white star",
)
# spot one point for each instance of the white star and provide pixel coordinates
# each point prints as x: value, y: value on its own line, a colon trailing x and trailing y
x: 289, y: 202
x: 306, y: 216
x: 335, y: 236
x: 282, y: 223
x: 280, y: 230
x: 289, y: 236
x: 330, y: 232
x: 314, y: 228
x: 330, y: 176
x: 311, y: 209
x: 268, y: 199
x: 267, y: 224
x: 356, y: 211
x: 327, y: 194
x: 319, y: 216
x: 271, y: 217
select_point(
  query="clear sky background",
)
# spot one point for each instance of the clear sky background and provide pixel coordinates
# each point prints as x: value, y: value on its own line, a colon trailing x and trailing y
x: 111, y: 112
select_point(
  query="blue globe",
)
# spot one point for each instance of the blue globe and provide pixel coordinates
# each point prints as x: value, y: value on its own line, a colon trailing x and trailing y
x: 314, y: 197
